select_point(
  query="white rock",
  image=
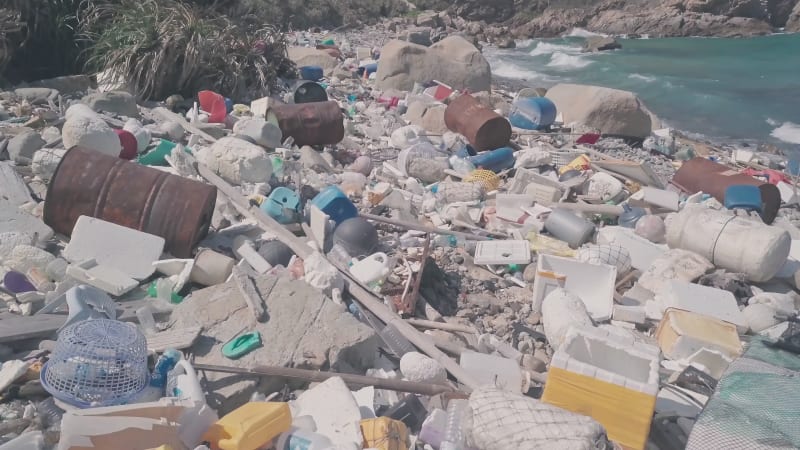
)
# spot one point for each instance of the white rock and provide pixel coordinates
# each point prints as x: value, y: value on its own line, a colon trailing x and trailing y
x: 92, y: 133
x: 238, y: 161
x: 22, y: 147
x: 10, y: 240
x: 420, y: 368
x: 25, y: 257
x: 562, y: 310
x: 45, y: 162
x: 334, y: 410
x: 263, y: 133
x: 173, y: 129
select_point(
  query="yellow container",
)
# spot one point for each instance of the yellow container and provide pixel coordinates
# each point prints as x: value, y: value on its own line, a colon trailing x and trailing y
x: 384, y: 433
x: 250, y: 426
x: 626, y: 414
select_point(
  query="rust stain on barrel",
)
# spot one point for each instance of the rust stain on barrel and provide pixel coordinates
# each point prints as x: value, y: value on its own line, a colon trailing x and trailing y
x: 483, y: 128
x: 316, y: 123
x: 88, y: 183
x: 703, y: 175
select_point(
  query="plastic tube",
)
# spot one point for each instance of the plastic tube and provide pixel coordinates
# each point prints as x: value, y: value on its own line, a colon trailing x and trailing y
x: 455, y: 434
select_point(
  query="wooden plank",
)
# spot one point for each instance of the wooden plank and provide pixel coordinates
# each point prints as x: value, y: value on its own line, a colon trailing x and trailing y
x: 174, y: 338
x: 14, y: 327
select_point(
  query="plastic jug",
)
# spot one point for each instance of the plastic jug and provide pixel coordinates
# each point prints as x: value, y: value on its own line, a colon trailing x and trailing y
x: 494, y: 160
x: 630, y: 216
x: 249, y: 427
x: 333, y: 202
x: 182, y: 382
x: 299, y: 439
x: 282, y: 205
x: 372, y: 269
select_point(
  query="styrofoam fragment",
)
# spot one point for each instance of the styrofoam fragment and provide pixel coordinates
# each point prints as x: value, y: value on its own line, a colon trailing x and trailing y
x: 593, y: 283
x: 705, y: 300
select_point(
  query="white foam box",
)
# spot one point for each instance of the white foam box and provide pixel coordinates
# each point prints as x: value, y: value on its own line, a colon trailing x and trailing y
x: 593, y: 283
x: 705, y: 300
x: 643, y: 252
x: 650, y: 196
x: 129, y: 251
x: 611, y: 378
x: 509, y: 206
x: 105, y: 278
x: 682, y: 334
x: 629, y: 313
x: 503, y: 252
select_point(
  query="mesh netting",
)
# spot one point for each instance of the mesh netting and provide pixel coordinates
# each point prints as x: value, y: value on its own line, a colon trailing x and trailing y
x: 755, y: 405
x: 611, y: 254
x: 488, y: 179
x: 97, y: 362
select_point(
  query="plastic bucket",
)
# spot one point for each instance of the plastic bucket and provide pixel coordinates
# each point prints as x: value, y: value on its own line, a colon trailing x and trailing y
x: 532, y: 113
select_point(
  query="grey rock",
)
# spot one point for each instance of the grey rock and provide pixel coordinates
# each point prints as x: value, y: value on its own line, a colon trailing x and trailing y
x: 262, y: 133
x: 419, y: 36
x: 312, y: 159
x: 117, y: 102
x: 507, y: 43
x: 22, y: 147
x: 13, y: 190
x: 793, y: 22
x: 303, y: 329
x: 429, y: 19
x: 37, y: 96
x: 600, y: 43
x: 67, y: 84
x: 303, y: 56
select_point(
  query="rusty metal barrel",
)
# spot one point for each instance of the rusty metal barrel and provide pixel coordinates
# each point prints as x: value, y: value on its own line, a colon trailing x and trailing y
x: 89, y: 183
x: 703, y: 175
x: 483, y: 128
x: 316, y: 123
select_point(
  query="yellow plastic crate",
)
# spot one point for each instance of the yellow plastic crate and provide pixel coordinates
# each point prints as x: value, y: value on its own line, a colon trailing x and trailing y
x: 384, y: 433
x: 625, y: 414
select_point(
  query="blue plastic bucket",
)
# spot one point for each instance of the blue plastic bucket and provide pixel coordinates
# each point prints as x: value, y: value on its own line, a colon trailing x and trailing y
x: 333, y: 202
x: 532, y: 113
x: 311, y: 73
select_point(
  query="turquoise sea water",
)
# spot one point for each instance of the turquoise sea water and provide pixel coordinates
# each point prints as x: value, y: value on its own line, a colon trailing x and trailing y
x: 729, y: 90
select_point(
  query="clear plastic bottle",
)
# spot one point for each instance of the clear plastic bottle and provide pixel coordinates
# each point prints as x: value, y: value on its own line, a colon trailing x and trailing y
x: 455, y: 434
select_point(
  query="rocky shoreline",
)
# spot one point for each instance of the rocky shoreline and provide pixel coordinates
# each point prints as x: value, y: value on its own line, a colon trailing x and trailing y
x: 502, y: 20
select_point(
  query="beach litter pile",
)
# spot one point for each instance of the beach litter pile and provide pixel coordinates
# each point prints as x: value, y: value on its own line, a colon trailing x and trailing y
x: 390, y: 253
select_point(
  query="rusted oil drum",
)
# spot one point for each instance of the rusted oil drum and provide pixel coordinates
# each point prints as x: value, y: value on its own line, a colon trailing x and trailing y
x: 703, y: 175
x: 88, y: 183
x: 483, y: 128
x: 318, y: 123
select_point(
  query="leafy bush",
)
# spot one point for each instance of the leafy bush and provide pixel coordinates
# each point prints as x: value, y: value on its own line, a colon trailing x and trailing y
x: 164, y: 47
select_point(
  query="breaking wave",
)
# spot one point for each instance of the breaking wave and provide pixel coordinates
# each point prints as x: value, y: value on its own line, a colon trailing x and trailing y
x: 580, y: 32
x: 546, y: 48
x: 566, y: 61
x: 645, y: 78
x: 788, y: 132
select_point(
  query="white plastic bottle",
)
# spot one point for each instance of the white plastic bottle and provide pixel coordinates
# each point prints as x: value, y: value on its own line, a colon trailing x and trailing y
x: 455, y: 434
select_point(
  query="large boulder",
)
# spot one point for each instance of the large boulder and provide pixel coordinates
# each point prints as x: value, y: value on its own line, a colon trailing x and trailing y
x: 793, y: 23
x: 453, y: 61
x: 303, y: 329
x: 304, y: 56
x: 117, y: 102
x: 600, y: 43
x: 23, y: 146
x: 611, y: 111
x: 92, y: 132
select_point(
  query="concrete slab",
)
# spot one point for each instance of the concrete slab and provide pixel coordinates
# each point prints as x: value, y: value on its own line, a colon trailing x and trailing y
x: 13, y: 220
x: 303, y: 328
x: 177, y: 338
x: 13, y: 189
x: 129, y: 251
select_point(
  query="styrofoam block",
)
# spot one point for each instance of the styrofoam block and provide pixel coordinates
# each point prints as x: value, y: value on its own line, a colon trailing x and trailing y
x: 129, y: 251
x: 704, y: 300
x: 776, y: 331
x: 503, y: 252
x: 643, y: 252
x: 104, y: 278
x: 788, y: 194
x: 683, y: 333
x: 503, y: 373
x: 509, y: 206
x: 632, y: 314
x: 593, y: 283
x: 709, y: 361
x: 792, y: 264
x: 661, y: 198
x: 596, y: 353
x: 335, y: 411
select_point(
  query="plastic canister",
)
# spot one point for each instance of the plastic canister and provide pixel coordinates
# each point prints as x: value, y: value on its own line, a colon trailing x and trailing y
x: 311, y: 73
x: 250, y: 426
x: 282, y: 205
x: 494, y: 160
x: 383, y: 433
x: 333, y: 202
x: 630, y: 216
x: 309, y: 92
x: 568, y: 227
x: 730, y: 242
x: 372, y: 269
x: 182, y: 382
x: 532, y: 113
x: 299, y: 439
